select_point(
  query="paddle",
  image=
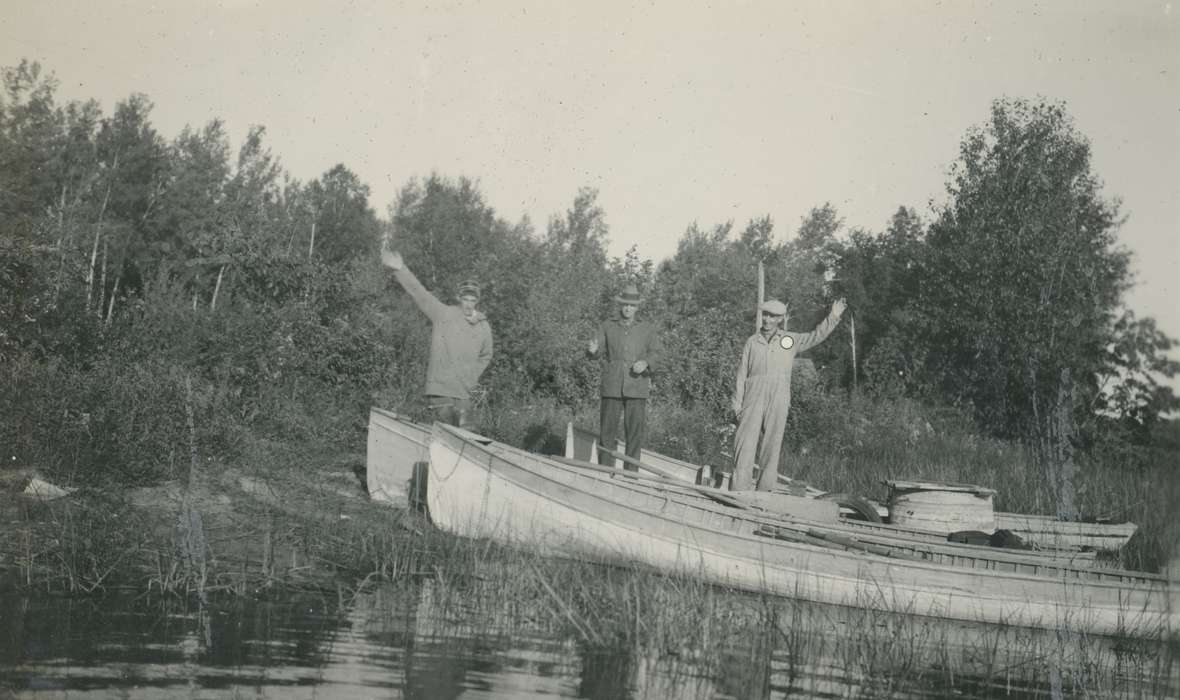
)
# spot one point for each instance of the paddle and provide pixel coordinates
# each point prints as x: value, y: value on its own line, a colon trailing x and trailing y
x: 640, y: 465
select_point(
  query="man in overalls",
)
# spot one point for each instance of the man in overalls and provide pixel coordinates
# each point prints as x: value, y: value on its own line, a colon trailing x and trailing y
x: 763, y: 394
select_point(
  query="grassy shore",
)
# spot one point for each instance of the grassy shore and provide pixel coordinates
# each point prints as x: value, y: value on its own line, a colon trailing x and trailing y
x: 267, y: 541
x: 289, y: 517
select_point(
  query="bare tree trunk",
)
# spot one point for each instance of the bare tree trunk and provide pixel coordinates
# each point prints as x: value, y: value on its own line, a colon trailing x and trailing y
x: 61, y: 217
x: 311, y: 246
x: 102, y: 285
x: 61, y: 243
x: 1063, y: 433
x: 217, y: 288
x: 98, y: 234
x: 111, y: 304
x: 94, y: 249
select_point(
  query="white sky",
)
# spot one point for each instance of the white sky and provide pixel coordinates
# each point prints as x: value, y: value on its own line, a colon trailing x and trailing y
x: 676, y: 111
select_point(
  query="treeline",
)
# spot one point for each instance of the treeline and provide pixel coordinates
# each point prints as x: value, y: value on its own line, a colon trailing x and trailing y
x: 143, y: 279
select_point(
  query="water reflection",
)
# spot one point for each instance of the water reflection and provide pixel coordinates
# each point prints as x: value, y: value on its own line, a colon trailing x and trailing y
x: 425, y: 641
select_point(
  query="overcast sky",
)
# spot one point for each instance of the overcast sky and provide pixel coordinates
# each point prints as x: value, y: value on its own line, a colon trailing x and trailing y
x: 676, y: 112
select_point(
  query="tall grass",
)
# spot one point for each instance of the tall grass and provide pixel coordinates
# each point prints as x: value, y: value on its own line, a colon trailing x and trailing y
x: 676, y: 631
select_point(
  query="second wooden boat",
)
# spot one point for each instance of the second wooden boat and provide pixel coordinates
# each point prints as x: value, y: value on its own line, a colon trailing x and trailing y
x: 1039, y: 530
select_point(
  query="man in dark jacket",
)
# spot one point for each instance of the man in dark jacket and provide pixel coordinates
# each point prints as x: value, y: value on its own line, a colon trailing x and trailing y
x: 460, y: 343
x: 631, y: 351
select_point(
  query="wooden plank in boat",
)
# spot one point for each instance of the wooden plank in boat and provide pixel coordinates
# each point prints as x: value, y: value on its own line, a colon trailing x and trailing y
x: 793, y: 506
x: 905, y: 485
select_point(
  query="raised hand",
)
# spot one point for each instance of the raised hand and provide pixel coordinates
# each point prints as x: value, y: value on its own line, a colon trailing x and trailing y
x: 839, y: 306
x: 392, y: 259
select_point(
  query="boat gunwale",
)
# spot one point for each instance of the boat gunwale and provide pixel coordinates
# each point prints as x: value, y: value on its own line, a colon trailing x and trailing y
x: 1057, y: 567
x: 1064, y: 569
x: 454, y: 434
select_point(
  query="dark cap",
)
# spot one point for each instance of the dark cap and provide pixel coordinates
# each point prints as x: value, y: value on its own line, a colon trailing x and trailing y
x: 469, y: 288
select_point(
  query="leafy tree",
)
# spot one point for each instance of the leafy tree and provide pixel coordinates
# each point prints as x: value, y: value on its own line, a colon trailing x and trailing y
x: 135, y: 171
x: 878, y: 275
x: 1137, y: 356
x: 345, y: 227
x: 1021, y: 283
x: 707, y: 292
x: 1022, y: 274
x: 569, y: 292
x: 808, y: 262
x: 30, y: 136
x: 47, y: 171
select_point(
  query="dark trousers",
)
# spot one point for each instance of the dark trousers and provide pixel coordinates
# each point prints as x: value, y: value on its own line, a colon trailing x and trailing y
x: 634, y: 413
x: 446, y: 409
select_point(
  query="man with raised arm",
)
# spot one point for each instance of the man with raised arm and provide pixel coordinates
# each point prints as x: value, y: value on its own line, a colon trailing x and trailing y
x: 631, y: 350
x: 460, y: 343
x: 763, y: 394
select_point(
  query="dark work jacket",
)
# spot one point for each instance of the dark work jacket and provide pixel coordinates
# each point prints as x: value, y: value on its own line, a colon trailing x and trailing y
x: 621, y: 345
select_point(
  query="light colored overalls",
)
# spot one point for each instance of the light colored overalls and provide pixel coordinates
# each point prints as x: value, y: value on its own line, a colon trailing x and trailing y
x: 763, y: 398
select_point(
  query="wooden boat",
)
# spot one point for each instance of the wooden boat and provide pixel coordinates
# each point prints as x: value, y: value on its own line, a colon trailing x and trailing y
x: 1042, y: 531
x: 395, y: 446
x: 1048, y: 530
x: 389, y: 465
x: 520, y: 499
x: 398, y: 447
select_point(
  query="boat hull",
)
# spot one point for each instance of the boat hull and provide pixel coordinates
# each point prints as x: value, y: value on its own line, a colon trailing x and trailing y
x: 403, y: 448
x: 523, y: 502
x: 397, y: 448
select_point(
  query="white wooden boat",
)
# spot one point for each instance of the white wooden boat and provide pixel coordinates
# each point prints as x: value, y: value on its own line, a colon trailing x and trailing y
x: 1049, y: 531
x: 1042, y: 531
x: 398, y: 446
x: 525, y: 501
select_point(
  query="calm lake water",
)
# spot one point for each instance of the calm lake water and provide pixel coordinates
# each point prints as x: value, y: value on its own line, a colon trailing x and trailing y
x: 407, y: 642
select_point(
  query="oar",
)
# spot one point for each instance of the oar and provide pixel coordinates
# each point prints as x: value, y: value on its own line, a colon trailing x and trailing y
x: 714, y: 494
x: 640, y: 465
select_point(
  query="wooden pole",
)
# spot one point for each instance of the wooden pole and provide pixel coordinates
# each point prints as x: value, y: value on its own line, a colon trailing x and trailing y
x: 761, y: 297
x: 852, y: 329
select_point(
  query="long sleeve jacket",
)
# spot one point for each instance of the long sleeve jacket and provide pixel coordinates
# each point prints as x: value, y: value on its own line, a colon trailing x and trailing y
x: 621, y: 345
x: 460, y: 348
x: 772, y: 359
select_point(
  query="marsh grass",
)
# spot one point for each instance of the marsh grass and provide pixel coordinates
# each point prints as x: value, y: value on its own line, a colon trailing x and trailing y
x: 304, y: 524
x: 754, y: 646
x: 680, y: 633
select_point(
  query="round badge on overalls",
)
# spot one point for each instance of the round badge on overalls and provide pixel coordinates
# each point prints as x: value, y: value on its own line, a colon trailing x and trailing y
x: 787, y: 342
